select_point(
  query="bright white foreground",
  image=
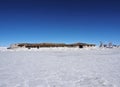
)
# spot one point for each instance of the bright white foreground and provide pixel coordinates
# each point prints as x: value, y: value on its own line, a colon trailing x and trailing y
x: 59, y: 67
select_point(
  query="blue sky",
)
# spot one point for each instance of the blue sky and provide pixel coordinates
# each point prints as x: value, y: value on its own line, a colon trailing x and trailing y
x: 64, y: 21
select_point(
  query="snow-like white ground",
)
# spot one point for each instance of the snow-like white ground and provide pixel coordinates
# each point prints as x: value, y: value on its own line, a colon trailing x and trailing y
x: 58, y: 67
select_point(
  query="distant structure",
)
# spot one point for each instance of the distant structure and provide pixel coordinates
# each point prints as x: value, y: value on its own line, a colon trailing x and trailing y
x: 40, y: 45
x: 101, y: 44
x: 109, y: 45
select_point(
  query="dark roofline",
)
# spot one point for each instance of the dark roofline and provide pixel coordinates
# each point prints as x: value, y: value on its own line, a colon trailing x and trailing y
x: 54, y: 44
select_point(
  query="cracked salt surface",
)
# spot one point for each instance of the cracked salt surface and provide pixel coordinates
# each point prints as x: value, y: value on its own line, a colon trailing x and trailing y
x: 58, y: 67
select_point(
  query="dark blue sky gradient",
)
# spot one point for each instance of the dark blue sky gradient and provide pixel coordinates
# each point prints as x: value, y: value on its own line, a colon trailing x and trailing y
x: 65, y: 21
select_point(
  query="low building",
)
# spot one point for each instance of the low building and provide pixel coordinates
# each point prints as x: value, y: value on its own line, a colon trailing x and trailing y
x: 40, y: 45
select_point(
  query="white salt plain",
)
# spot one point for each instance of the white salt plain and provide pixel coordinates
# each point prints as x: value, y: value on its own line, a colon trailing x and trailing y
x: 60, y: 67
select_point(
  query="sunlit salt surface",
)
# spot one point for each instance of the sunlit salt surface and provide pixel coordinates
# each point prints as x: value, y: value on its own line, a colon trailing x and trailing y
x: 60, y: 67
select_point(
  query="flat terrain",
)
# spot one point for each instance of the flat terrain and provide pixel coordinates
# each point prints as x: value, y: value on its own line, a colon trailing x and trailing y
x: 60, y: 67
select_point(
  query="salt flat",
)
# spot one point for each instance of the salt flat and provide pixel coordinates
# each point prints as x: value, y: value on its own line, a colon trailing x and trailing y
x: 60, y: 67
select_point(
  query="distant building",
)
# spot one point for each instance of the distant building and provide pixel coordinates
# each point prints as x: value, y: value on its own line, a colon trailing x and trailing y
x: 109, y: 45
x: 40, y: 45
